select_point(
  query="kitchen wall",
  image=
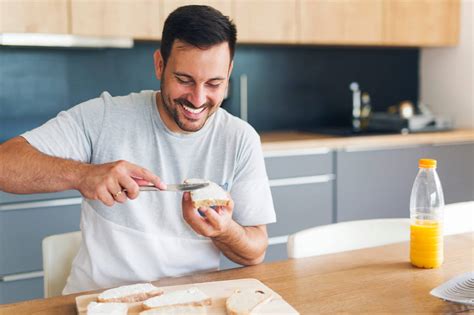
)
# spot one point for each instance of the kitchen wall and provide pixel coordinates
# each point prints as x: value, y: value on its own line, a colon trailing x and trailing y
x: 447, y: 74
x: 289, y: 87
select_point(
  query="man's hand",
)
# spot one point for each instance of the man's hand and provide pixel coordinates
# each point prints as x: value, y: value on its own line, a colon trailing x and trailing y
x: 214, y: 222
x: 105, y: 182
x: 244, y: 245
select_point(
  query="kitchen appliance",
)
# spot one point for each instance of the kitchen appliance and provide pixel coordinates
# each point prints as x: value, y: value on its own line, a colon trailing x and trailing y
x: 404, y: 118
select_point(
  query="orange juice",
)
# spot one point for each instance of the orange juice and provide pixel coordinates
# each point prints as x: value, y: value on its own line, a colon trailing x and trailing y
x: 426, y: 244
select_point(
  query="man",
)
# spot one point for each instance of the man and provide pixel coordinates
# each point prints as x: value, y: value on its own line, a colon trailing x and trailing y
x: 110, y: 144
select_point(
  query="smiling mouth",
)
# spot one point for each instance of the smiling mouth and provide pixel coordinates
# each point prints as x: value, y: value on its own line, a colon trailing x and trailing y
x: 194, y: 111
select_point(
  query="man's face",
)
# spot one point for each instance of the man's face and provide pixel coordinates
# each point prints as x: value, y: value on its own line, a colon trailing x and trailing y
x: 193, y: 84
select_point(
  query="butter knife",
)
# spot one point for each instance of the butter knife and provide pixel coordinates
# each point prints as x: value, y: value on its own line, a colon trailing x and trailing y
x: 175, y: 187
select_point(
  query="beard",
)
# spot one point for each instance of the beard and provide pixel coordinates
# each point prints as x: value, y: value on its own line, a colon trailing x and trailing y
x: 184, y: 123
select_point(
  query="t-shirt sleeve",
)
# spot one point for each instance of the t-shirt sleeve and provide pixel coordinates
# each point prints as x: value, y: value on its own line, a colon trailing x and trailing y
x: 72, y: 133
x: 253, y: 203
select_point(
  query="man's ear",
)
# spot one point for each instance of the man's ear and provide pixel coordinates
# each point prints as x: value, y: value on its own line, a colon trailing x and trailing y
x: 159, y: 64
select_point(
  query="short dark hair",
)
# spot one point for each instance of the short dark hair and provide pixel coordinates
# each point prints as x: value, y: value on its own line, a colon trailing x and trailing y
x: 198, y: 25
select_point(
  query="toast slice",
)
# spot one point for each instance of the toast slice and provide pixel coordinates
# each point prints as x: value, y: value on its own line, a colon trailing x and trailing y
x: 211, y: 195
x: 189, y: 297
x: 130, y: 293
x: 95, y: 308
x: 177, y: 310
x: 244, y: 302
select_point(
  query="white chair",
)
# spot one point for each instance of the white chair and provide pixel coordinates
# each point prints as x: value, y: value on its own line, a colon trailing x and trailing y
x: 459, y: 218
x: 346, y: 236
x: 58, y: 253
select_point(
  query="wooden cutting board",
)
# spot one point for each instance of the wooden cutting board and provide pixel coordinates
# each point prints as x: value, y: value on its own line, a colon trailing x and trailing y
x: 219, y: 291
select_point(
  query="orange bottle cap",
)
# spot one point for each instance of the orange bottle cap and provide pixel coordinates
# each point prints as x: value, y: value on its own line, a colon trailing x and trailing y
x: 427, y: 163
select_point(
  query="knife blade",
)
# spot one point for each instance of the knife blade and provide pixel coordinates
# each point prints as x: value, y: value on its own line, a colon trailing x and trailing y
x: 175, y: 187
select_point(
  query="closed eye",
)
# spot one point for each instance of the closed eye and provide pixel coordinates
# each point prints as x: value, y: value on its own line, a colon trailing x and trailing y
x: 214, y: 85
x: 184, y: 81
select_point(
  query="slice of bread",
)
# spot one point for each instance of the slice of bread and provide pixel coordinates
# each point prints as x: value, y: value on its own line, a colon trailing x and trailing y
x: 189, y: 297
x: 95, y: 308
x: 244, y: 302
x: 130, y: 293
x: 211, y: 195
x: 177, y: 310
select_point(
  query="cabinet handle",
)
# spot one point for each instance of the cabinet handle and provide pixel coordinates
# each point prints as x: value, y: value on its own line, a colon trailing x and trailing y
x: 285, y: 153
x: 41, y: 204
x: 452, y: 143
x: 278, y: 240
x: 301, y: 180
x: 380, y: 148
x: 22, y: 276
x: 243, y: 97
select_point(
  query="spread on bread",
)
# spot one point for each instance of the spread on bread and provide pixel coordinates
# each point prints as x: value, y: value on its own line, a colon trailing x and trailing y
x: 130, y: 293
x: 189, y: 297
x: 211, y: 195
x: 188, y: 301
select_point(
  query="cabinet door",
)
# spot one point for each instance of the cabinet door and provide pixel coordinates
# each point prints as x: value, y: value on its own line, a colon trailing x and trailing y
x: 21, y: 290
x: 421, y: 22
x: 340, y: 22
x: 168, y: 6
x: 127, y: 18
x: 455, y: 170
x: 302, y: 189
x: 266, y: 21
x: 300, y: 207
x: 22, y: 232
x: 30, y: 16
x: 291, y: 166
x: 376, y: 183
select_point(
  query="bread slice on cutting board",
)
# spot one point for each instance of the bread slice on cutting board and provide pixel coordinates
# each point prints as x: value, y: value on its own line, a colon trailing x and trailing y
x: 95, y: 308
x: 245, y: 301
x: 177, y: 310
x: 189, y: 297
x: 130, y: 293
x: 211, y: 195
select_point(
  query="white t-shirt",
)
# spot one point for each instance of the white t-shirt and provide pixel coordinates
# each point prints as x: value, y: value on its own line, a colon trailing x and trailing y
x: 147, y: 238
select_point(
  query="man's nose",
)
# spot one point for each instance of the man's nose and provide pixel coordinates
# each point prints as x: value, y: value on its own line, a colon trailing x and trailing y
x: 198, y: 97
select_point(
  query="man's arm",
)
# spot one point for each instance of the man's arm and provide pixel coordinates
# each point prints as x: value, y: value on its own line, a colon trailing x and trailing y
x: 23, y: 169
x: 243, y: 245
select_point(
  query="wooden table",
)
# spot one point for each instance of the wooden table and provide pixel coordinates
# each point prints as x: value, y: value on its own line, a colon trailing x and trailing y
x: 372, y: 280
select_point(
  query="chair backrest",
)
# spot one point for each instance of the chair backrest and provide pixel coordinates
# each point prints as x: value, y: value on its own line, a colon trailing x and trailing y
x: 459, y: 218
x: 58, y: 253
x: 346, y: 236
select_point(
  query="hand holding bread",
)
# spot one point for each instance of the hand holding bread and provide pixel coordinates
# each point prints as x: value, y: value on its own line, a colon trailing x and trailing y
x: 197, y: 211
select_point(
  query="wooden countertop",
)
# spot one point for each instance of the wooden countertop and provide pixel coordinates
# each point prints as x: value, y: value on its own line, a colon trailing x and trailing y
x: 293, y: 140
x: 371, y: 280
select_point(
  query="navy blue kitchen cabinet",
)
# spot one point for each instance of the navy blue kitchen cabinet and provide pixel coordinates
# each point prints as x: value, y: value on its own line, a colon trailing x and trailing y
x: 24, y: 221
x: 376, y: 182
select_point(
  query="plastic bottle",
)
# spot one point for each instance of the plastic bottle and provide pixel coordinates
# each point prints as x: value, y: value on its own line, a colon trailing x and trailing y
x: 426, y: 213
